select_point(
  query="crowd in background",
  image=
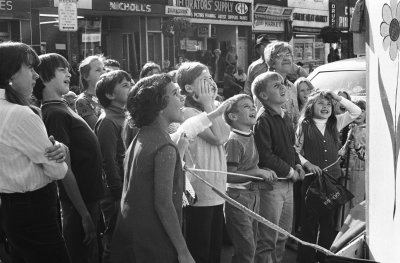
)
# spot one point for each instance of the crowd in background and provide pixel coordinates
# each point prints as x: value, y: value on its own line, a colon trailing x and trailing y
x: 111, y: 183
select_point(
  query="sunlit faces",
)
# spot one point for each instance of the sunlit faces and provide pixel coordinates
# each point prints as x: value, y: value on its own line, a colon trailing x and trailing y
x: 322, y: 108
x: 275, y: 91
x: 96, y: 70
x: 245, y: 113
x: 24, y: 80
x: 283, y: 61
x: 120, y: 93
x: 173, y: 111
x: 205, y: 78
x: 303, y: 92
x: 61, y: 80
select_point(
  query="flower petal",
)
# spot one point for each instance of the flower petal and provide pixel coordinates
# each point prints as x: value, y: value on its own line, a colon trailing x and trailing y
x: 398, y: 11
x: 387, y: 14
x: 393, y: 50
x: 393, y: 4
x: 386, y: 43
x: 398, y: 43
x: 384, y: 29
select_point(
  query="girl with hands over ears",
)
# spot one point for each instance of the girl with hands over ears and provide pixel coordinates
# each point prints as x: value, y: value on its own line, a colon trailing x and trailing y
x: 317, y: 142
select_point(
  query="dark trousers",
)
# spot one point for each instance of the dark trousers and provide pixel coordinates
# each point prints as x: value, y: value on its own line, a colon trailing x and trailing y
x: 74, y: 233
x: 204, y: 229
x: 30, y: 223
x: 110, y: 208
x: 312, y: 224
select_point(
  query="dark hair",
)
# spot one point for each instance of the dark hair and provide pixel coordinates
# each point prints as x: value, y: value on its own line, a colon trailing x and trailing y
x: 148, y: 67
x: 361, y: 104
x: 107, y: 83
x: 147, y: 98
x: 13, y: 55
x: 84, y: 69
x: 47, y: 71
x: 233, y: 107
x: 111, y: 63
x: 307, y: 114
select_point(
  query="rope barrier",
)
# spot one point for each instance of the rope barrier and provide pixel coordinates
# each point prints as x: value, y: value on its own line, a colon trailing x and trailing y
x: 256, y: 216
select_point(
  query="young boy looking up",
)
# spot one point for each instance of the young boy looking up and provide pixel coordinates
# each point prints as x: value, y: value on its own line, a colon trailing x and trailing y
x: 242, y: 157
x: 112, y: 91
x: 275, y: 138
x: 79, y: 219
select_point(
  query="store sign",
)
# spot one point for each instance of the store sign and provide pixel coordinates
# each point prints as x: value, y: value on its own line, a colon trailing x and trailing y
x: 177, y: 11
x: 215, y: 10
x: 268, y: 25
x: 82, y: 4
x: 91, y: 37
x: 310, y: 17
x: 340, y: 13
x: 15, y: 8
x: 68, y: 16
x: 130, y: 7
x: 272, y: 10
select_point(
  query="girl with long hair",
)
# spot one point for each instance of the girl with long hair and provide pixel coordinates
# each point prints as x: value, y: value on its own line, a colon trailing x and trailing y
x: 317, y: 142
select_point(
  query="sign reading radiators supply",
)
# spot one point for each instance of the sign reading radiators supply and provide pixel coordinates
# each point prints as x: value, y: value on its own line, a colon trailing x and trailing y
x: 67, y: 15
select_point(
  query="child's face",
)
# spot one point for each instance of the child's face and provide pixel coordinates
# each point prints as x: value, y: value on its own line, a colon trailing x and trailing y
x: 173, y: 111
x: 96, y: 70
x: 246, y: 113
x: 205, y: 76
x: 60, y: 82
x: 276, y: 91
x: 361, y: 119
x: 120, y: 93
x: 322, y: 108
x: 303, y: 92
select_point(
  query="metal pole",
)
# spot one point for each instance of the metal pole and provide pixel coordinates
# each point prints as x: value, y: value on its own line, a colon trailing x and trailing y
x: 348, y: 29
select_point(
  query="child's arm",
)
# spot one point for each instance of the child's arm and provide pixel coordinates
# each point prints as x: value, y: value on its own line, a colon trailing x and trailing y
x: 352, y: 111
x: 163, y: 192
x: 299, y: 149
x: 266, y: 174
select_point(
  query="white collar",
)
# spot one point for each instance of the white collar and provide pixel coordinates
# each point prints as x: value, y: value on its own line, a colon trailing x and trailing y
x: 320, y: 121
x: 242, y: 132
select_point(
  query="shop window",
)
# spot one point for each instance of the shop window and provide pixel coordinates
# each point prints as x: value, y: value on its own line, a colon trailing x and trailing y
x: 304, y: 49
x: 242, y: 31
x: 154, y: 47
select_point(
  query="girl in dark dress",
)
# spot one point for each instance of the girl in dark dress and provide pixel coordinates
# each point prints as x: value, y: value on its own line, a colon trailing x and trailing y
x: 149, y: 225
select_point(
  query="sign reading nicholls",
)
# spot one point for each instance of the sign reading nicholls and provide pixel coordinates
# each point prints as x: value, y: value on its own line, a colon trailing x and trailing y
x: 219, y: 11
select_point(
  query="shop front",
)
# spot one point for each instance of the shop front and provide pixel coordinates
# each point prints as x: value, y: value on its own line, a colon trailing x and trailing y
x: 308, y: 19
x: 215, y: 25
x: 15, y: 21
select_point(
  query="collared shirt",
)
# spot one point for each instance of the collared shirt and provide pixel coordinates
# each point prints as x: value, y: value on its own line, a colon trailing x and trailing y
x: 274, y: 138
x: 23, y: 139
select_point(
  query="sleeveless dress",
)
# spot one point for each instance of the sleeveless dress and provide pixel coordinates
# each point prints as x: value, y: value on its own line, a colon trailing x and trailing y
x: 139, y: 234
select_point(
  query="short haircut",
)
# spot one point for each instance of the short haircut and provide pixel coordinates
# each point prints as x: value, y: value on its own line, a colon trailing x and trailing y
x: 84, y: 69
x: 260, y: 83
x: 187, y: 73
x: 147, y: 98
x: 107, y: 83
x: 148, y: 67
x: 111, y: 63
x: 233, y: 107
x: 47, y: 71
x: 361, y: 104
x: 273, y: 49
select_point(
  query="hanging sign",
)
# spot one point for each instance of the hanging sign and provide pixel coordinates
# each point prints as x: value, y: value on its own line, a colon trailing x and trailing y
x: 67, y: 15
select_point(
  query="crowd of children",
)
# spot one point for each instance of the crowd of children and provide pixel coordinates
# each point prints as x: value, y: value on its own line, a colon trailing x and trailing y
x: 120, y: 160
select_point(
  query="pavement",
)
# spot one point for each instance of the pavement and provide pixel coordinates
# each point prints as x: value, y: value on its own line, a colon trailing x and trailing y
x: 227, y: 252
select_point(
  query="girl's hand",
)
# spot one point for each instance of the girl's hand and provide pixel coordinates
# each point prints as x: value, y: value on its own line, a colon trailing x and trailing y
x: 205, y: 96
x: 220, y: 110
x: 313, y: 168
x: 182, y: 144
x: 56, y: 152
x: 334, y: 96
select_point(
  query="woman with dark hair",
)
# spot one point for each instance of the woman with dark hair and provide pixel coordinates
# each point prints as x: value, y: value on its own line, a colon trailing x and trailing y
x: 87, y: 104
x: 149, y: 225
x: 27, y: 188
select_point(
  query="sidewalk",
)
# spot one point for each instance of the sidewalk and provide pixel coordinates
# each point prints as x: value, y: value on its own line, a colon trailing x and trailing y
x: 227, y: 251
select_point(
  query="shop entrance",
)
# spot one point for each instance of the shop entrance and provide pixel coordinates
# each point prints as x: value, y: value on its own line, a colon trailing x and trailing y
x: 130, y: 62
x: 154, y: 47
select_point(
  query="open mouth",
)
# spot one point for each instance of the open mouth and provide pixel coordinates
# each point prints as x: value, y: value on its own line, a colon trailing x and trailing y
x: 66, y: 82
x: 324, y: 111
x: 252, y: 115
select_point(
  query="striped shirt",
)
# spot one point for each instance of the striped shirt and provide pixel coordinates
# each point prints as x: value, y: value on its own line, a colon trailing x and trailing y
x: 23, y: 139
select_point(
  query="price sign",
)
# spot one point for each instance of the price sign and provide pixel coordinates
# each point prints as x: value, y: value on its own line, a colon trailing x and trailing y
x: 67, y: 15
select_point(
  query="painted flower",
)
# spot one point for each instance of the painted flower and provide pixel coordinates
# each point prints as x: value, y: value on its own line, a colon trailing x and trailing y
x: 390, y: 28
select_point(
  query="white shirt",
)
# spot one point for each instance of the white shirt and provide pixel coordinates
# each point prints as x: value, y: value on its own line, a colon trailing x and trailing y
x: 353, y: 111
x: 23, y: 139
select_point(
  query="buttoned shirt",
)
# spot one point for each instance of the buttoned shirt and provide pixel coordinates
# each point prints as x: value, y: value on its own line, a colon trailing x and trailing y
x: 23, y: 139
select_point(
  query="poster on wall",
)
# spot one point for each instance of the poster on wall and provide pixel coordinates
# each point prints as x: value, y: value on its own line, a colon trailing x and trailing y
x: 383, y: 108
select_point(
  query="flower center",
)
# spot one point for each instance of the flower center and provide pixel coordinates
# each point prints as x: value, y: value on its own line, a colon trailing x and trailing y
x: 394, y: 30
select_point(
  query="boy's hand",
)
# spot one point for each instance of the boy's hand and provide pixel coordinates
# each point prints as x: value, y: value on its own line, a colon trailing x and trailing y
x: 299, y: 169
x: 313, y: 168
x: 268, y: 175
x: 206, y: 95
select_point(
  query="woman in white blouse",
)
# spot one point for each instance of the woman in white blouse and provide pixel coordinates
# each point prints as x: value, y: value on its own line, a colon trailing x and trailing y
x: 27, y: 188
